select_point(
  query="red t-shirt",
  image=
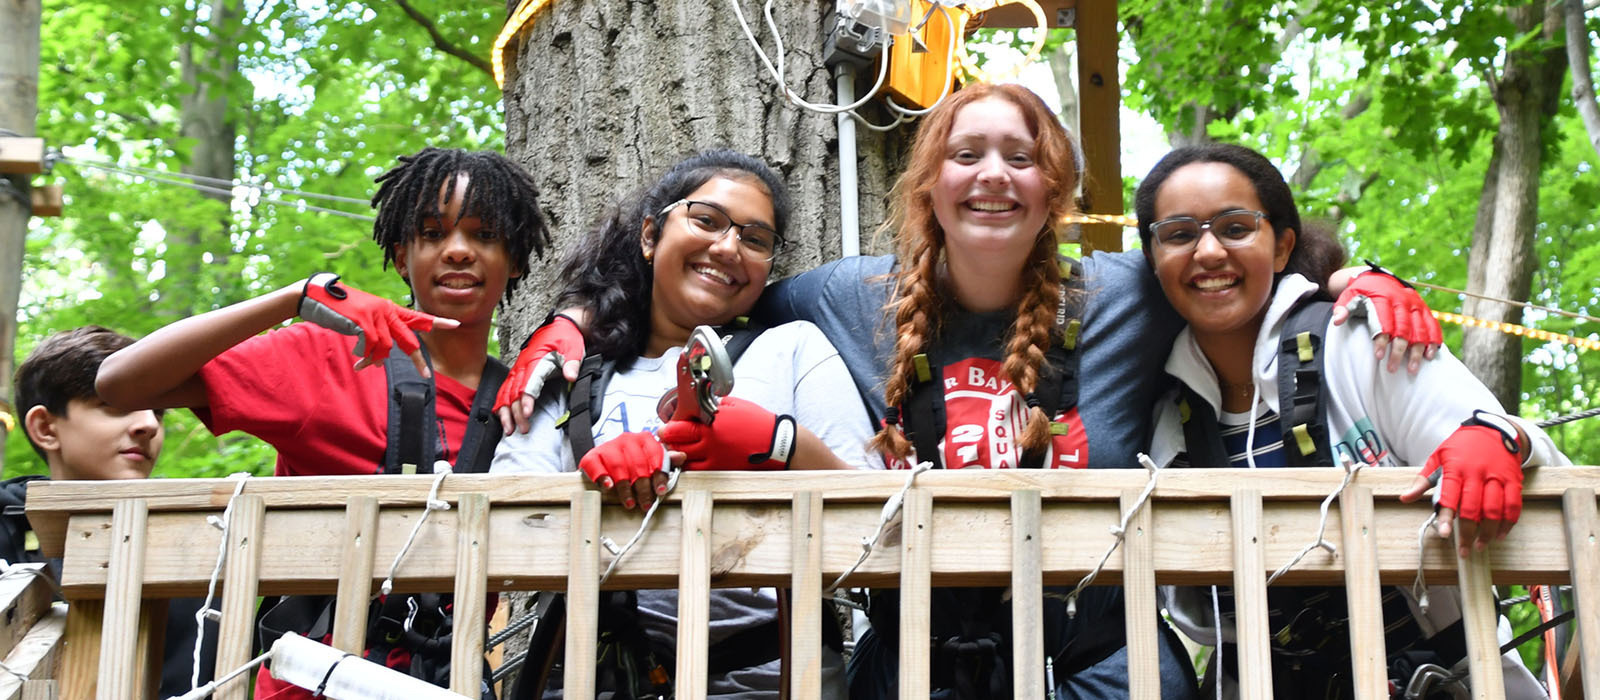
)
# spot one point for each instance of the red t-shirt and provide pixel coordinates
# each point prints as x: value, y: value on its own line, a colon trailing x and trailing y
x: 296, y: 388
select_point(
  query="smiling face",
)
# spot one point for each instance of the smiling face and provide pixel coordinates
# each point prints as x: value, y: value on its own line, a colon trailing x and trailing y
x: 700, y: 282
x: 457, y: 267
x: 991, y: 200
x: 1218, y: 290
x: 91, y: 440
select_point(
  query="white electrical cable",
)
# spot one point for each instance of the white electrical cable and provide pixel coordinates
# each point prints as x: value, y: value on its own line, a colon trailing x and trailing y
x: 212, y: 687
x: 889, y: 514
x: 777, y: 70
x: 1120, y: 532
x: 949, y: 72
x: 216, y: 572
x: 1350, y: 469
x: 433, y: 504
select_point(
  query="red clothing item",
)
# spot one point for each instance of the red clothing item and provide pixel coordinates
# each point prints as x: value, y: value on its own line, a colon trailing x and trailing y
x: 296, y: 388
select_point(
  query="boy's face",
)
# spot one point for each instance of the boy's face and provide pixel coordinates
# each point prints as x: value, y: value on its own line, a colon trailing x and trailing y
x: 95, y: 441
x: 457, y: 266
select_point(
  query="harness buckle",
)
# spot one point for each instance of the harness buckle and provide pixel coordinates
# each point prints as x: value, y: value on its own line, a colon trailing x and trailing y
x: 1430, y: 677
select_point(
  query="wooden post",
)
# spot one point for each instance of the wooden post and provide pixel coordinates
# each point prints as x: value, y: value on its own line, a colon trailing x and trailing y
x: 1250, y: 597
x: 240, y: 585
x: 1583, y: 553
x: 19, y: 111
x: 805, y: 640
x: 471, y: 594
x: 1099, y: 129
x: 1480, y: 619
x: 355, y: 577
x: 694, y: 597
x: 916, y: 560
x: 80, y: 655
x: 583, y: 597
x: 1139, y: 594
x: 119, y: 643
x: 1027, y: 596
x: 1369, y: 661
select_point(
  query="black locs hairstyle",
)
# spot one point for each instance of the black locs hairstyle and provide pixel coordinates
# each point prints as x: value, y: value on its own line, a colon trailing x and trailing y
x: 62, y: 368
x: 1317, y: 252
x: 606, y: 272
x: 498, y: 192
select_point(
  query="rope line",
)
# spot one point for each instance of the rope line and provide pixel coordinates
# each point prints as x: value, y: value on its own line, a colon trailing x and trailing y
x: 224, y: 524
x: 1120, y: 532
x: 1321, y: 542
x: 890, y: 513
x: 433, y: 504
x: 224, y: 191
x: 1507, y: 302
x: 672, y: 484
x: 214, y: 181
x: 1569, y: 418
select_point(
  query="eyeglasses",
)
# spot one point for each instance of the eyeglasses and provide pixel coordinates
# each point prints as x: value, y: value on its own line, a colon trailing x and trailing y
x: 709, y: 222
x: 1233, y: 229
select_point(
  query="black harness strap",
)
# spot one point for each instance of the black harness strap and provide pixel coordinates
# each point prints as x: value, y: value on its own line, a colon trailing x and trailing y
x: 1201, y: 438
x: 1301, y: 410
x: 923, y: 417
x: 587, y: 394
x: 413, y: 432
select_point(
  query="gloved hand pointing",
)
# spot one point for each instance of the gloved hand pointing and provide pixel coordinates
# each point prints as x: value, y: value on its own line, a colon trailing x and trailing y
x: 377, y: 323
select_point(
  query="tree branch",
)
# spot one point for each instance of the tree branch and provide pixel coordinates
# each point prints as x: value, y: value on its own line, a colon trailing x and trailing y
x: 1582, y: 81
x: 442, y: 44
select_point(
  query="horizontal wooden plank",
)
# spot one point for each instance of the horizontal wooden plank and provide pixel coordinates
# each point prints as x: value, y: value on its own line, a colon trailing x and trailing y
x: 21, y: 155
x: 24, y: 598
x: 50, y: 502
x: 35, y: 656
x: 751, y: 546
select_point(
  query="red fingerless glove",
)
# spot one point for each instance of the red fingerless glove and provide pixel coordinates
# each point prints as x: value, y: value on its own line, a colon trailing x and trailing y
x: 377, y: 323
x: 743, y: 436
x: 1393, y: 305
x: 551, y: 345
x: 624, y: 458
x: 1479, y: 474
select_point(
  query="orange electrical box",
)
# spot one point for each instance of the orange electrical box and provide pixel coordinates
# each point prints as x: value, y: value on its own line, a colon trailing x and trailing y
x: 920, y: 70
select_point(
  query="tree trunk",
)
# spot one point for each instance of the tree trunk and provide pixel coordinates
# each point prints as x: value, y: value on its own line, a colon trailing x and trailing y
x: 19, y: 108
x: 1582, y: 80
x: 604, y: 94
x: 1064, y: 68
x: 1502, y: 264
x: 209, y: 63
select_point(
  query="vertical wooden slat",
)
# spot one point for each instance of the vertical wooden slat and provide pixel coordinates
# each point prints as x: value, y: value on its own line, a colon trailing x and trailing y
x: 1480, y: 618
x: 39, y: 690
x: 1367, y: 654
x: 694, y: 597
x: 240, y: 582
x: 80, y: 652
x: 355, y: 576
x: 1027, y: 596
x: 124, y: 583
x: 916, y: 560
x: 148, y: 651
x: 805, y: 640
x: 1099, y: 106
x: 1583, y: 556
x: 583, y: 596
x: 1250, y: 597
x: 471, y: 593
x: 1139, y: 592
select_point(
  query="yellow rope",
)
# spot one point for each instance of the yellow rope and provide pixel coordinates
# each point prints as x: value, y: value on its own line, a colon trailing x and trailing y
x: 513, y: 26
x: 1118, y: 219
x: 1517, y: 330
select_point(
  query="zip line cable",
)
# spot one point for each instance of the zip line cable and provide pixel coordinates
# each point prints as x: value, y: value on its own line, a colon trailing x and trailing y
x: 214, y: 181
x: 263, y: 198
x: 1508, y: 302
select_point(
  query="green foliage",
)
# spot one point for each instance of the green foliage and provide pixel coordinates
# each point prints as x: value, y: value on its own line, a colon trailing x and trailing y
x: 325, y: 97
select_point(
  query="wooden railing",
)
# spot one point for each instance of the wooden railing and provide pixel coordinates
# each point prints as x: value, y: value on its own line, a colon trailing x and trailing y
x: 129, y: 544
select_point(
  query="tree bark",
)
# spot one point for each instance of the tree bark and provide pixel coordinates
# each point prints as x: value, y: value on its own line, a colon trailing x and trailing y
x: 1582, y: 80
x: 1501, y: 263
x: 1063, y: 69
x: 208, y: 64
x: 604, y: 94
x: 19, y: 109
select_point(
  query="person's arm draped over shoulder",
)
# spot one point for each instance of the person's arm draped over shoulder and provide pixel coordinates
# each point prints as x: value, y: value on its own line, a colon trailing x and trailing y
x: 162, y: 369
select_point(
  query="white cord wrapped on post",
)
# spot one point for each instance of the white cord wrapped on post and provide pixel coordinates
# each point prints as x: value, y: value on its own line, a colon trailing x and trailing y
x: 1350, y: 469
x: 1120, y: 531
x: 205, y: 610
x: 1419, y: 587
x: 619, y: 552
x: 891, y: 511
x: 443, y: 469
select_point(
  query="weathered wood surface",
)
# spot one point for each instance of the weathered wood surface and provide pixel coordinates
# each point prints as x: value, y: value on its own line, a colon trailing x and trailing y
x: 50, y: 502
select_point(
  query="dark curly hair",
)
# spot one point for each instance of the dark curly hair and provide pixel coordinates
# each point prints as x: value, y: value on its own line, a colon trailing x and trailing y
x: 606, y: 272
x: 499, y: 192
x: 1317, y: 253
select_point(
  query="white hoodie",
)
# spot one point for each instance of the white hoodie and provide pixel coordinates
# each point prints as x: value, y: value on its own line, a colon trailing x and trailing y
x: 1382, y: 418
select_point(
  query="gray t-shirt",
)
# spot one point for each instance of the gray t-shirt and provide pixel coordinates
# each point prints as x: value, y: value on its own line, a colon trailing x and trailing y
x: 790, y: 369
x: 1128, y: 328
